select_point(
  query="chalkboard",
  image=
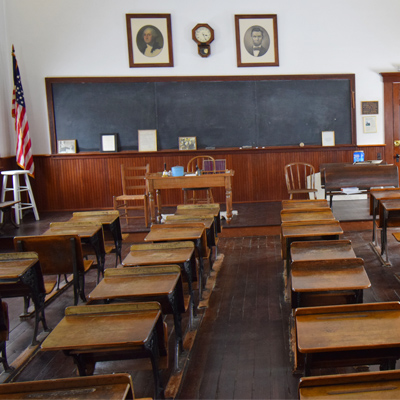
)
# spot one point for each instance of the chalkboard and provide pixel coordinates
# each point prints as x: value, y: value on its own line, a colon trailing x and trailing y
x: 221, y: 112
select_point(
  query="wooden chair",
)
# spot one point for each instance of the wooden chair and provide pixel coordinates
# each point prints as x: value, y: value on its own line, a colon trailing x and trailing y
x: 296, y: 175
x: 192, y: 166
x: 134, y: 190
x: 59, y: 255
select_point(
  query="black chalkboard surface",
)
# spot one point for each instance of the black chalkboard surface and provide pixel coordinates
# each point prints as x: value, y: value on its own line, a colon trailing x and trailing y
x: 221, y: 112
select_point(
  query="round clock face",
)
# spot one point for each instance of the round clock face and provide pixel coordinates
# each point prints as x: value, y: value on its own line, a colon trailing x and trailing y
x: 203, y: 34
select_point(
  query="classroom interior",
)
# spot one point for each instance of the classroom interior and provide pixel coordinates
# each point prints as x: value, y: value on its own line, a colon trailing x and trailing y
x: 337, y: 67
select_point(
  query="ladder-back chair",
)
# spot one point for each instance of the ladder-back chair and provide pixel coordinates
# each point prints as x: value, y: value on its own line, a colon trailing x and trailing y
x: 134, y: 191
x: 300, y: 179
x: 197, y: 163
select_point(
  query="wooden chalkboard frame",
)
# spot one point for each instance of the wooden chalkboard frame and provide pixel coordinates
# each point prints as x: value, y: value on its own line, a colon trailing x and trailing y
x: 50, y: 81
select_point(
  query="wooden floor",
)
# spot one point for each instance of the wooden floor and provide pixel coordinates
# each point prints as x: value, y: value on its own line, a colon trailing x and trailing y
x: 242, y: 349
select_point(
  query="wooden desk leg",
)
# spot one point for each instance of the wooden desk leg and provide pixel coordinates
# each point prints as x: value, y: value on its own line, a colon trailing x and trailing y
x: 152, y: 207
x: 228, y: 195
x: 173, y: 301
x: 159, y: 205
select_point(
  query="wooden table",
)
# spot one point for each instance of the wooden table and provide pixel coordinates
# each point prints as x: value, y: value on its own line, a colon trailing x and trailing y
x: 111, y: 332
x: 321, y: 277
x: 162, y: 283
x: 195, y: 232
x: 114, y: 386
x: 300, y: 231
x: 111, y: 225
x: 321, y: 250
x: 348, y: 335
x: 181, y: 253
x: 157, y: 182
x: 90, y: 234
x: 365, y: 385
x: 20, y: 276
x: 304, y: 204
x: 307, y: 215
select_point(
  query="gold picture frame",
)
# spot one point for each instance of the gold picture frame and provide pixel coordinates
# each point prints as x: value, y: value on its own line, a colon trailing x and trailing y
x: 188, y: 143
x: 257, y: 40
x: 149, y: 40
x: 66, y: 146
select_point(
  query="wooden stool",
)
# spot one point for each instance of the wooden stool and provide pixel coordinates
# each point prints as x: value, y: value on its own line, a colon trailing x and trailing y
x: 17, y: 189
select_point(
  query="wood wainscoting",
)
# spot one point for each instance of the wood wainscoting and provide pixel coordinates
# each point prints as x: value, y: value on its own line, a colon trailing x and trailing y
x: 89, y: 181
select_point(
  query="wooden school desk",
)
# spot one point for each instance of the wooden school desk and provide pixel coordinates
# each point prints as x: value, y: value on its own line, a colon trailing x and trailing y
x: 390, y: 217
x: 20, y: 275
x: 114, y: 386
x: 381, y: 385
x: 157, y: 182
x: 195, y: 232
x: 181, y: 253
x: 348, y: 335
x: 319, y: 278
x: 110, y: 222
x: 161, y: 283
x: 111, y: 332
x: 321, y: 250
x: 299, y: 231
x: 376, y: 195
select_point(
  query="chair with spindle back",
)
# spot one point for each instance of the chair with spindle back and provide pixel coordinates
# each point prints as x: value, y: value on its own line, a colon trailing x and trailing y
x: 300, y: 179
x: 197, y: 163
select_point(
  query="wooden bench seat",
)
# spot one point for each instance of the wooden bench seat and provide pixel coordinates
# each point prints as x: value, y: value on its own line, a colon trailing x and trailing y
x: 334, y: 177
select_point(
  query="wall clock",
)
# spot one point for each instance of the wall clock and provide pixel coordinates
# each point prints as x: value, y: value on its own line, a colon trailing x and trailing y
x: 203, y: 35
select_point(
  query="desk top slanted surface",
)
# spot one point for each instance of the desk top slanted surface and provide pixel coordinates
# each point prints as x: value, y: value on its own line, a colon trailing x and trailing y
x: 322, y: 250
x: 175, y: 232
x: 311, y: 229
x: 327, y: 275
x: 348, y: 327
x: 381, y: 385
x: 159, y: 253
x: 307, y: 215
x: 138, y: 282
x: 111, y: 387
x: 304, y: 204
x: 95, y: 331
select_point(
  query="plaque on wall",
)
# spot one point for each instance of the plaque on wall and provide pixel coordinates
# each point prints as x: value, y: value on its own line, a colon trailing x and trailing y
x: 369, y: 107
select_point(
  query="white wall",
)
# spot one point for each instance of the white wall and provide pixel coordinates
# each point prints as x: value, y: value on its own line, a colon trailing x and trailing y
x: 88, y: 38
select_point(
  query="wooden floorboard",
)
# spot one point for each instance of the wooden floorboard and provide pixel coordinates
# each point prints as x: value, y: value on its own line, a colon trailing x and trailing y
x: 243, y: 345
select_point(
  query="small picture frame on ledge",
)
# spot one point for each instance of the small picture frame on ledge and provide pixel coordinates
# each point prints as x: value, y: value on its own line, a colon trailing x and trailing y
x: 328, y: 138
x: 66, y: 146
x: 188, y: 143
x: 109, y: 142
x: 147, y: 140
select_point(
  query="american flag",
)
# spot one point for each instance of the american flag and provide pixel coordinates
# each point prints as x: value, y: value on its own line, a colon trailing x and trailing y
x: 24, y: 152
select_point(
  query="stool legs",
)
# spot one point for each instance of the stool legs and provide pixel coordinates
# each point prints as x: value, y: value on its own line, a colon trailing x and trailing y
x: 30, y: 192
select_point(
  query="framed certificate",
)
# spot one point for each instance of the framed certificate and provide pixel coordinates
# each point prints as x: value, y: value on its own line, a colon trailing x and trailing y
x: 328, y: 138
x: 147, y: 140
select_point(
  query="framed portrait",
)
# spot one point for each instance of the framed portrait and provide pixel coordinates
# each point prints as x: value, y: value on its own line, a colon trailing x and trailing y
x: 147, y: 139
x: 188, y: 143
x: 257, y: 40
x: 369, y: 125
x: 109, y: 142
x: 149, y: 40
x: 328, y: 138
x: 66, y: 146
